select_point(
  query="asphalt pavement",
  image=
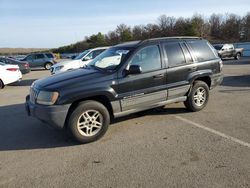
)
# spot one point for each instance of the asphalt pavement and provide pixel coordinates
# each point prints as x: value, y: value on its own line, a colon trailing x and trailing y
x: 170, y: 147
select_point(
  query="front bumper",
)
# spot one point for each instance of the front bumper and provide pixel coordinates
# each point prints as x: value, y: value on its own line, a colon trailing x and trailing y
x: 216, y: 80
x: 54, y: 115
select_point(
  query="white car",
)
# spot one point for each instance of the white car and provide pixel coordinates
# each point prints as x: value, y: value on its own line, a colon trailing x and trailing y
x: 9, y: 74
x: 78, y: 62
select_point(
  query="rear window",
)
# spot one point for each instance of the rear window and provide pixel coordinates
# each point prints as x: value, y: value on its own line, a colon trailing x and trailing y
x: 202, y: 50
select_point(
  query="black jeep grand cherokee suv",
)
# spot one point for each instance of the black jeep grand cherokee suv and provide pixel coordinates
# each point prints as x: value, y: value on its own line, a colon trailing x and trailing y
x: 125, y: 79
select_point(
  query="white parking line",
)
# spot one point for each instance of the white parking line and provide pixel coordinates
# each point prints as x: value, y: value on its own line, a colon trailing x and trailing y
x: 236, y: 140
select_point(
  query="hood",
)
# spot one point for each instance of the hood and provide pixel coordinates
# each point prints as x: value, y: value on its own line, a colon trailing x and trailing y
x: 70, y: 79
x: 66, y: 63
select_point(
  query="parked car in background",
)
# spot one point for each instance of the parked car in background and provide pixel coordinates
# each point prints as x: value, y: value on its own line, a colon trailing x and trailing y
x: 228, y: 50
x: 45, y: 60
x: 79, y: 61
x: 23, y: 66
x: 126, y: 79
x: 9, y: 74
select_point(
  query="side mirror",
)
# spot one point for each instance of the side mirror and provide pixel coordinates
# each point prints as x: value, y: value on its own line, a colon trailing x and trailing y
x: 134, y: 69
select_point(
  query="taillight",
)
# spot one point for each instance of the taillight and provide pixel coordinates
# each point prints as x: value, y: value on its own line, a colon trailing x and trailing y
x: 12, y: 69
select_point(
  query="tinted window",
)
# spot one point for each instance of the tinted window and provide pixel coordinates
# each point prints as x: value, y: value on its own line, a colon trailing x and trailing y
x: 175, y: 54
x: 39, y: 56
x: 202, y: 50
x: 148, y: 58
x: 49, y: 55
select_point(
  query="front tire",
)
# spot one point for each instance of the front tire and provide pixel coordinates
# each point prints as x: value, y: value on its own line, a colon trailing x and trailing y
x: 237, y: 57
x: 1, y: 84
x: 198, y: 97
x: 88, y: 122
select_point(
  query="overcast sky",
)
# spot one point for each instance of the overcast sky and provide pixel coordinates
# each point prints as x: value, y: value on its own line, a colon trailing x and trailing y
x: 53, y: 23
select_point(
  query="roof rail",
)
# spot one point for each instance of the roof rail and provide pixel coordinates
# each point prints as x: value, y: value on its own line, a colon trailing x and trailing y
x: 175, y: 37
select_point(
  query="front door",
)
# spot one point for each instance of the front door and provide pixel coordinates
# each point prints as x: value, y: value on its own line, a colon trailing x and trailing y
x: 147, y: 88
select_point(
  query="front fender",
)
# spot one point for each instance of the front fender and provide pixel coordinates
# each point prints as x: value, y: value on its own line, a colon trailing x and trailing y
x: 71, y: 97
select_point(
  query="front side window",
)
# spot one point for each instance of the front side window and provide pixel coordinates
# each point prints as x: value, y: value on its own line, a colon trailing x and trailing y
x: 97, y: 52
x: 147, y: 58
x: 81, y: 55
x: 30, y: 57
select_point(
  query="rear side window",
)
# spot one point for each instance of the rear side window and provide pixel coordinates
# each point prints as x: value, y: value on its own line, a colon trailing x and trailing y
x: 175, y: 54
x: 39, y: 56
x: 49, y: 55
x: 202, y: 50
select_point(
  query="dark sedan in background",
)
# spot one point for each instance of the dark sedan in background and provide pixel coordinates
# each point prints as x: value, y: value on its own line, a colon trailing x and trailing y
x: 23, y: 66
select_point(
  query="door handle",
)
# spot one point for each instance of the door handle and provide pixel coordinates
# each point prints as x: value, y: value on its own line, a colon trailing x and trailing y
x: 158, y: 76
x: 192, y: 69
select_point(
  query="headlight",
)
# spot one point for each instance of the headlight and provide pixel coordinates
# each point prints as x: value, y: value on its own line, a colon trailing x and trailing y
x: 47, y: 98
x: 59, y: 68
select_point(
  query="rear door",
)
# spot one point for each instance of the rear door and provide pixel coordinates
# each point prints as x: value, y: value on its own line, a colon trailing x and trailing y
x: 147, y: 88
x: 180, y: 65
x: 39, y: 60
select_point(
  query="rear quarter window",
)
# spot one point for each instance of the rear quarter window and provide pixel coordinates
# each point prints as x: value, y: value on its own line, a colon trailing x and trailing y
x: 202, y: 50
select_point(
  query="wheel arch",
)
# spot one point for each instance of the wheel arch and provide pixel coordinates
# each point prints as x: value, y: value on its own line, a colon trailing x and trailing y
x: 205, y: 78
x: 103, y: 99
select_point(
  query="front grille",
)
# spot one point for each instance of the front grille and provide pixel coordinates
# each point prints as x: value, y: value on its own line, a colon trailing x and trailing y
x: 33, y: 95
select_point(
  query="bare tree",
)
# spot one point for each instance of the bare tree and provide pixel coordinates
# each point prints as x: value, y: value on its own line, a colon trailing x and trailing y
x: 166, y: 25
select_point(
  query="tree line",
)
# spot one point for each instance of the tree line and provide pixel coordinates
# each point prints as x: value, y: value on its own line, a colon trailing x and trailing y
x: 217, y: 28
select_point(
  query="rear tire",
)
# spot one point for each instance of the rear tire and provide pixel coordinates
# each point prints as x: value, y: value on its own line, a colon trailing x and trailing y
x: 47, y: 66
x: 198, y: 97
x: 88, y: 122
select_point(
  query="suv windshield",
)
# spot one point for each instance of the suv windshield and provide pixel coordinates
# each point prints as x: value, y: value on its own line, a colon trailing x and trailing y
x: 109, y: 59
x: 81, y: 55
